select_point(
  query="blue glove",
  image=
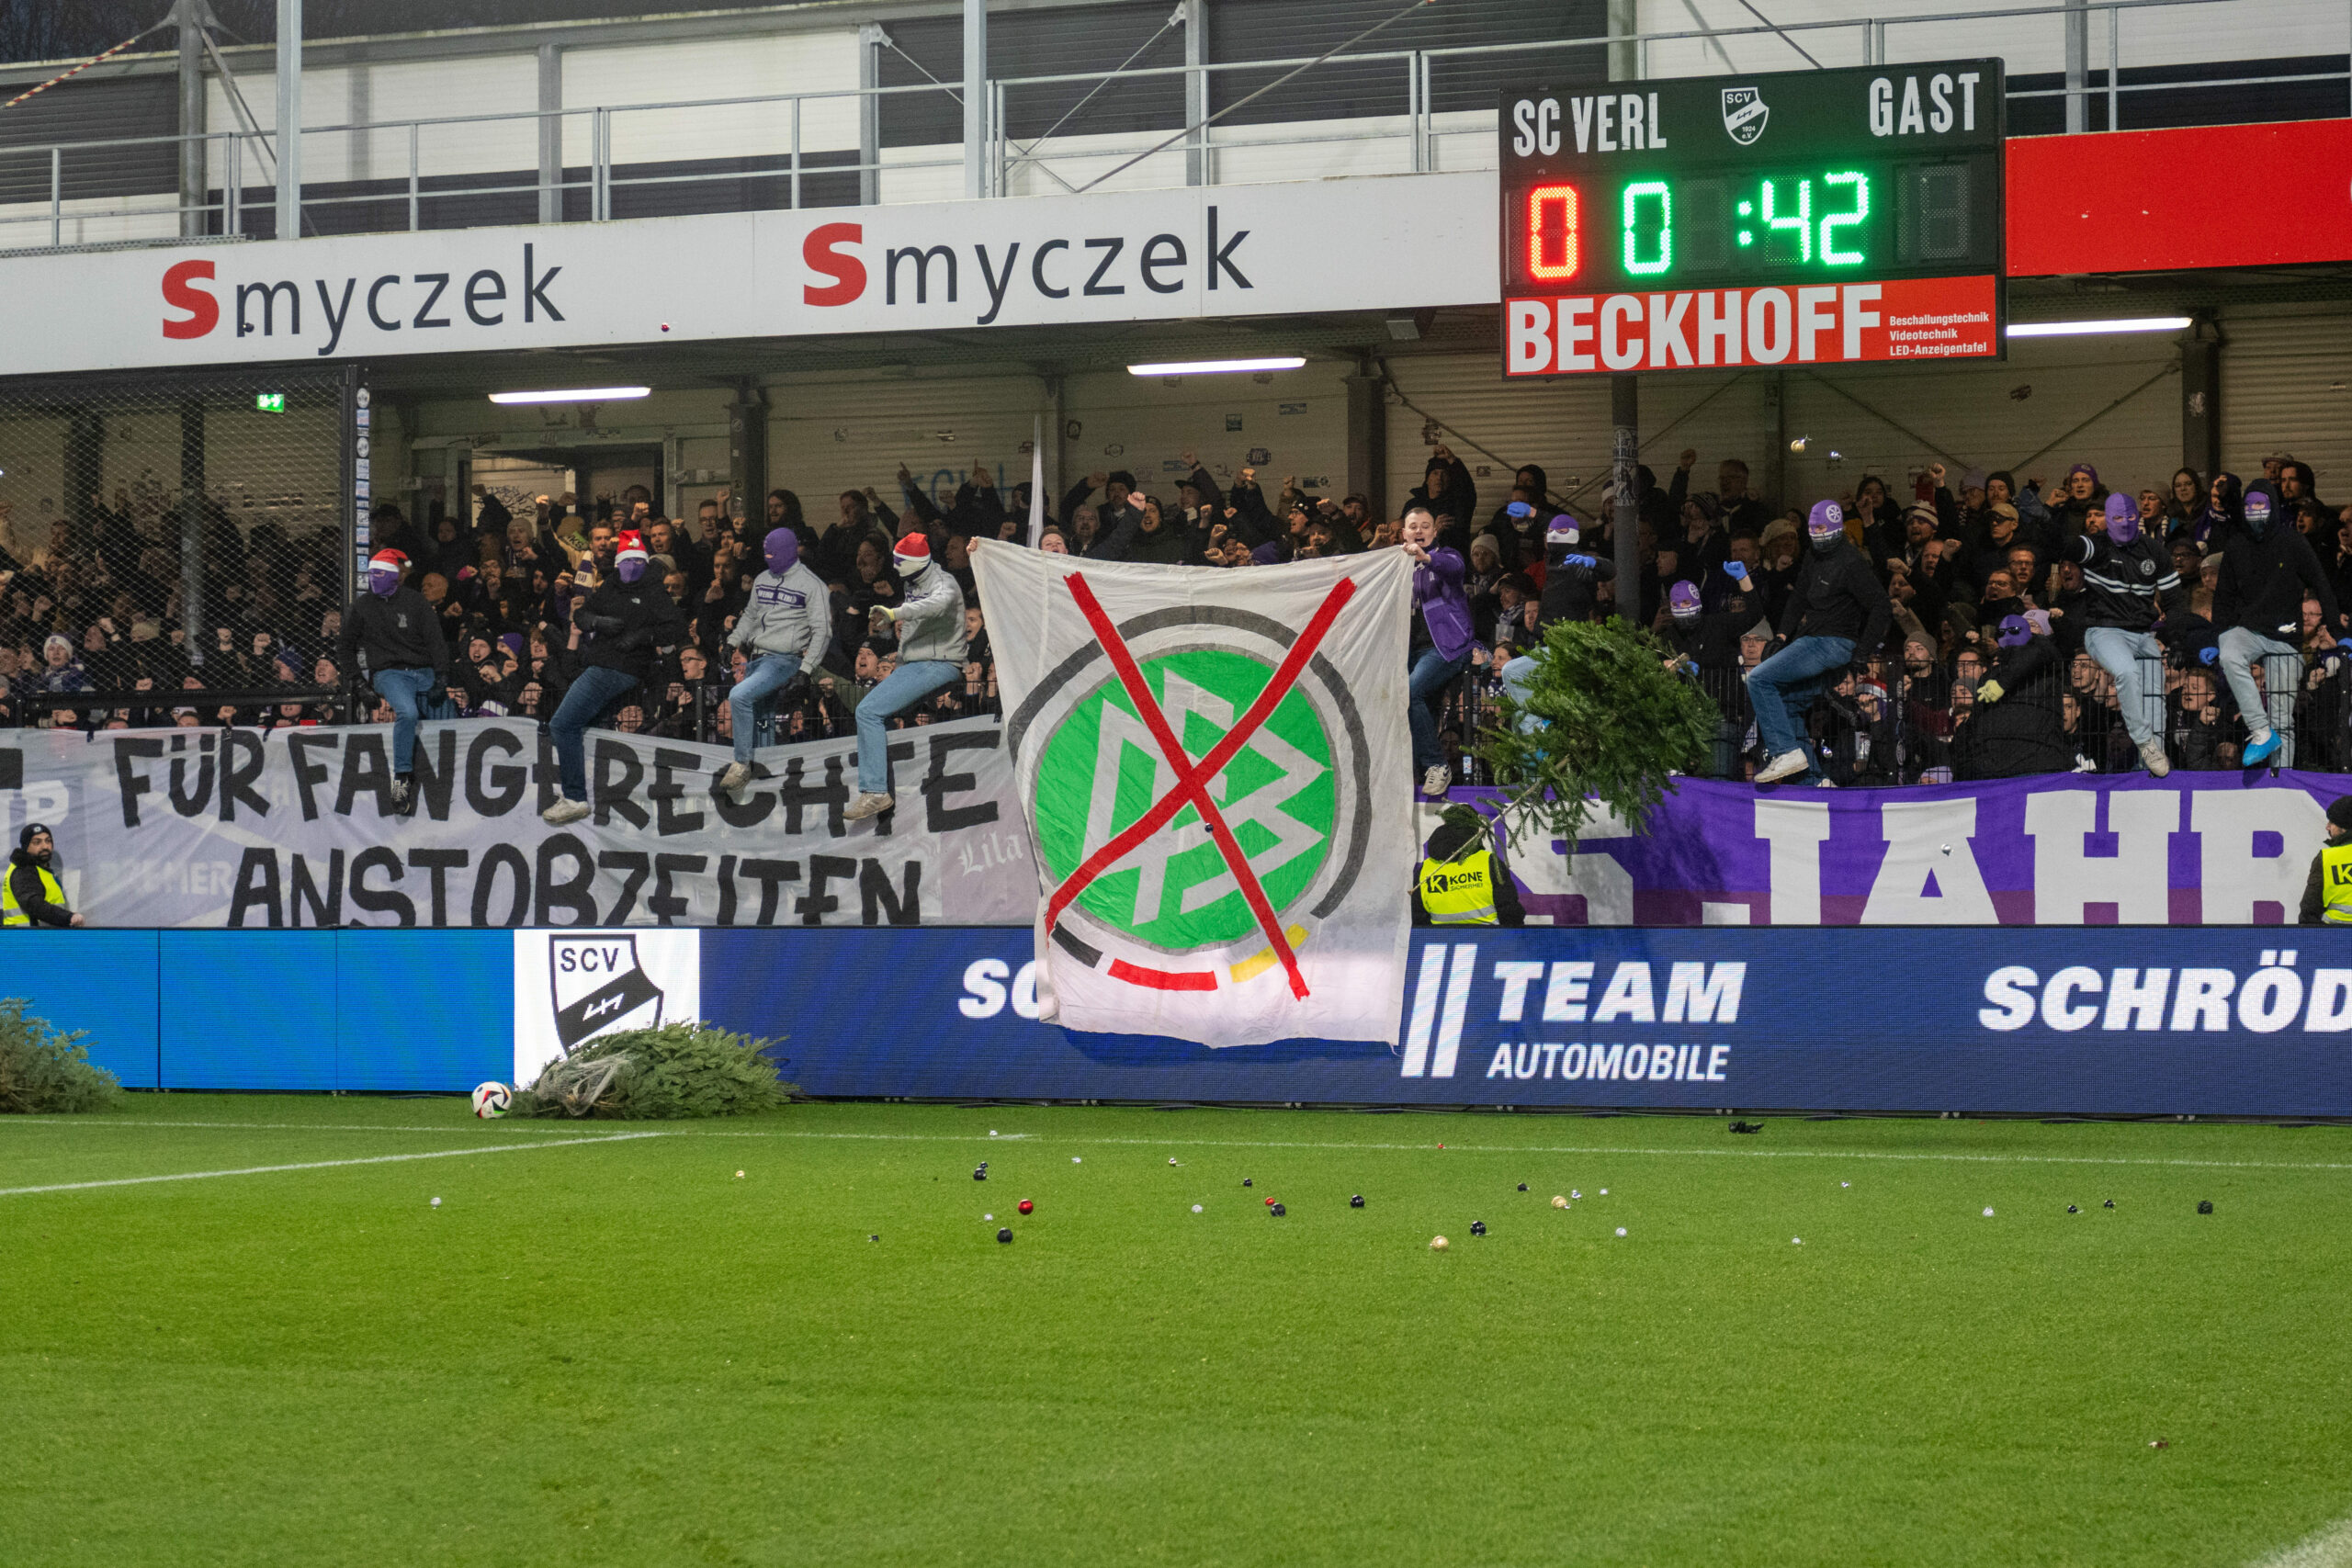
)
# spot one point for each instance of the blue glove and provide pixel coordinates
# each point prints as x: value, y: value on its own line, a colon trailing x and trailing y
x: 1520, y: 509
x: 2209, y: 655
x: 1588, y: 563
x: 1736, y: 570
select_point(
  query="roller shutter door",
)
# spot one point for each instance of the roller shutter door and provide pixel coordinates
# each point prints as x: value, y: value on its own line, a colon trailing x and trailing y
x: 2113, y: 402
x: 2287, y: 386
x: 826, y: 438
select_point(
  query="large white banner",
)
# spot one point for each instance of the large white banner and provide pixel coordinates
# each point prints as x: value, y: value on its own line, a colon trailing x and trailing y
x: 1217, y: 773
x: 1359, y: 244
x: 294, y: 828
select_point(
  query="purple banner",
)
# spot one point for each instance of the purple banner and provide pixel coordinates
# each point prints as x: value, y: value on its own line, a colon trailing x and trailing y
x: 2063, y: 849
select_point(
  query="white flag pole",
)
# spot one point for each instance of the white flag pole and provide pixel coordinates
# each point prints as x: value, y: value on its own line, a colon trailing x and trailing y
x: 1038, y: 483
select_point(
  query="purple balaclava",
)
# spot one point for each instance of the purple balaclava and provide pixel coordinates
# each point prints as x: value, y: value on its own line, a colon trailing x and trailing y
x: 384, y: 576
x: 2257, y: 511
x: 2122, y: 518
x: 1563, y: 534
x: 2016, y: 632
x: 781, y: 548
x: 1826, y: 526
x: 1682, y: 601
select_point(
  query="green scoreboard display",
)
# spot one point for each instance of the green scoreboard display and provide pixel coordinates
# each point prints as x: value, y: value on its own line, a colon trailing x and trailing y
x: 1729, y: 222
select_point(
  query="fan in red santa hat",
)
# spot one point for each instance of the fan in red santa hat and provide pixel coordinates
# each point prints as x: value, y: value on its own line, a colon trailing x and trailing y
x: 630, y: 555
x: 384, y: 570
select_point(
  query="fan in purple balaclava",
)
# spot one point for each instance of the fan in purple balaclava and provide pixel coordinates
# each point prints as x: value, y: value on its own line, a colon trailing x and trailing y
x: 2122, y: 518
x: 2129, y: 586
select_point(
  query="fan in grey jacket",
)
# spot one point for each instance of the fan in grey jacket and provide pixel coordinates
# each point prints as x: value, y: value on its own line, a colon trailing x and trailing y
x: 930, y: 617
x: 786, y: 628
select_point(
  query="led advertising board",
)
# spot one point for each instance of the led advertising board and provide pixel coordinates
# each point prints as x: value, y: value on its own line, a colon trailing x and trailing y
x: 1809, y: 217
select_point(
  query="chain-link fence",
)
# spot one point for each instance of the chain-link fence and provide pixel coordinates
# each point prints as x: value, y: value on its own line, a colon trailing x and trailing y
x: 180, y: 537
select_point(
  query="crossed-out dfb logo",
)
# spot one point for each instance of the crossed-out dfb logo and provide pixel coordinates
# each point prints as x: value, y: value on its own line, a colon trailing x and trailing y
x: 1172, y: 914
x: 598, y: 983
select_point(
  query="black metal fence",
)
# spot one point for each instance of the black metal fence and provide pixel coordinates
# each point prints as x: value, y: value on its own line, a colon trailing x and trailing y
x: 1882, y: 726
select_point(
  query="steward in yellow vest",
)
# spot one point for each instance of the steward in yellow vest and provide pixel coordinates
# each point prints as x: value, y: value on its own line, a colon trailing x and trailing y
x: 2327, y: 893
x: 32, y: 895
x: 1463, y: 882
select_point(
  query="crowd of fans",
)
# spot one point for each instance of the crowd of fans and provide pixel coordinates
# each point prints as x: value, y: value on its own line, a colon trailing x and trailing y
x: 99, y: 604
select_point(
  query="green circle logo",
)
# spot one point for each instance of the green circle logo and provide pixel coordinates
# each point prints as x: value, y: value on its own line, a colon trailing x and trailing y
x: 1102, y: 770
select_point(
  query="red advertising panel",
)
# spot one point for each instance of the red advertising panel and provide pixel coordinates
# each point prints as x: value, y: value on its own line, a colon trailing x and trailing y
x: 2162, y: 200
x: 1845, y: 323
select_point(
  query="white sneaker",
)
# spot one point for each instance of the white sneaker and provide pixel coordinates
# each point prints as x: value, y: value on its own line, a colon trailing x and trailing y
x: 2151, y: 752
x: 867, y: 804
x: 737, y: 776
x: 1435, y: 780
x: 1787, y: 764
x: 564, y: 811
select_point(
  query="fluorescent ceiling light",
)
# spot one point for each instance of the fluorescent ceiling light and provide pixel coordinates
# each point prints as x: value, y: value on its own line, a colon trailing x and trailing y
x: 573, y: 395
x: 2121, y: 324
x: 1217, y: 366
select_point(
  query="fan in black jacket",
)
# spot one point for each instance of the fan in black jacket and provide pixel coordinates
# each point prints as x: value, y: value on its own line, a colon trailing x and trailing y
x: 2266, y: 569
x: 622, y: 625
x: 2019, y: 724
x: 1837, y: 613
x: 2129, y: 585
x: 408, y: 661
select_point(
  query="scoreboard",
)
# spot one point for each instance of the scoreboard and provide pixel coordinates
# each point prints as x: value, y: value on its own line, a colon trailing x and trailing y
x: 1809, y: 217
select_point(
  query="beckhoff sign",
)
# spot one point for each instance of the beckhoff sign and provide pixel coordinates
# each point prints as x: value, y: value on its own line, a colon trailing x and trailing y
x: 1815, y: 216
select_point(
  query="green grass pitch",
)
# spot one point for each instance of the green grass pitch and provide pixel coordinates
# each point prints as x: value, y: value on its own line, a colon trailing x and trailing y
x: 619, y: 1352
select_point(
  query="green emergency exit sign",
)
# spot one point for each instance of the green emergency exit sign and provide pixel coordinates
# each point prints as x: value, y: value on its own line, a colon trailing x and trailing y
x: 270, y: 403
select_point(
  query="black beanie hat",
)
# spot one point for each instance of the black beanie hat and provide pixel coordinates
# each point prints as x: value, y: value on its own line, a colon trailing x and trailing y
x: 2339, y: 811
x: 24, y: 838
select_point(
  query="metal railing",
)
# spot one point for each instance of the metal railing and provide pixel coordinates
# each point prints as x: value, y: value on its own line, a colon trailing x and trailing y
x: 1419, y: 134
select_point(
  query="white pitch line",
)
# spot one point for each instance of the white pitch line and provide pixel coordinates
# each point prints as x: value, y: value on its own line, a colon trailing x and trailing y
x: 1080, y: 1140
x: 112, y: 1125
x: 2329, y: 1547
x: 1250, y: 1143
x: 317, y: 1165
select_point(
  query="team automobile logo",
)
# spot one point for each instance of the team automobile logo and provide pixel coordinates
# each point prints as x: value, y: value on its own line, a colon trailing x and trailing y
x: 1203, y: 783
x: 1744, y: 112
x: 599, y: 982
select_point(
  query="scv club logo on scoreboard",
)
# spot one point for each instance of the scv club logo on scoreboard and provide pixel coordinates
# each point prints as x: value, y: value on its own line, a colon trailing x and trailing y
x: 1745, y: 114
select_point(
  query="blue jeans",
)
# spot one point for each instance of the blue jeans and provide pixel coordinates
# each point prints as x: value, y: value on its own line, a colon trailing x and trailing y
x: 413, y: 694
x: 2119, y: 653
x: 1784, y: 685
x: 1427, y: 677
x: 768, y: 674
x: 2269, y: 710
x: 900, y: 690
x: 590, y: 697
